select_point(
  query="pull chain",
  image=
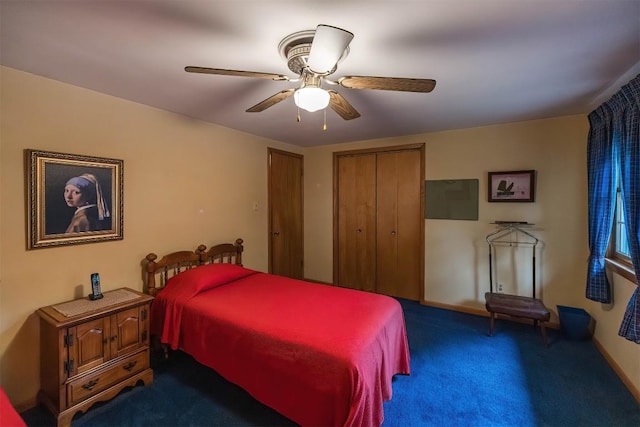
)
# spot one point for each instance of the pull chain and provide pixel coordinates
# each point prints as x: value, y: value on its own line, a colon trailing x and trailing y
x: 324, y: 124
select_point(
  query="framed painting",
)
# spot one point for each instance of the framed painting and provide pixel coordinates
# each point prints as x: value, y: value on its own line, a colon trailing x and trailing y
x: 72, y: 199
x: 512, y: 186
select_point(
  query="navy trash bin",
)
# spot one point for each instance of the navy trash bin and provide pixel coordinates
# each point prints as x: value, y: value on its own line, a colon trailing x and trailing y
x: 575, y: 323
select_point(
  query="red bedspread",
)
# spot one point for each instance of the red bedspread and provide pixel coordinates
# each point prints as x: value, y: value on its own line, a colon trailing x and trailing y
x: 318, y: 354
x: 9, y: 417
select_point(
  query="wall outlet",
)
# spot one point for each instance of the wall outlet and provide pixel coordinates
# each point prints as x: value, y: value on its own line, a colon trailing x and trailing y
x: 499, y: 287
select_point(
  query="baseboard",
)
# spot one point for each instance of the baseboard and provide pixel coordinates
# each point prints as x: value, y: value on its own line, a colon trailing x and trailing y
x: 318, y: 281
x: 478, y: 312
x: 25, y: 406
x: 623, y: 377
x: 457, y: 308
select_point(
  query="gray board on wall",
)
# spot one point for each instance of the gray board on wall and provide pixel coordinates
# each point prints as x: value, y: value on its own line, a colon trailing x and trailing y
x: 451, y: 199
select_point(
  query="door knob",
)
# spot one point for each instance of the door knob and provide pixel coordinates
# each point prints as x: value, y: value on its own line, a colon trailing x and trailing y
x: 359, y: 230
x: 393, y: 233
x: 276, y: 233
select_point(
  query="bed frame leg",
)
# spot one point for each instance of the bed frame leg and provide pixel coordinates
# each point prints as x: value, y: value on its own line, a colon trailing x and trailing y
x: 165, y: 350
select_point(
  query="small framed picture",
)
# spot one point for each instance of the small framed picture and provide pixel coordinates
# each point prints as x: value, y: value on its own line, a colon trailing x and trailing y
x: 512, y: 186
x: 72, y: 199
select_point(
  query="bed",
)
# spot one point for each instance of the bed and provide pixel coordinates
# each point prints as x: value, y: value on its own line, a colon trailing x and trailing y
x: 318, y: 354
x: 9, y: 417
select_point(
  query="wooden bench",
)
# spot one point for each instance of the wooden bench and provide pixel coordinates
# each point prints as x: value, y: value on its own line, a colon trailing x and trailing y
x: 517, y: 306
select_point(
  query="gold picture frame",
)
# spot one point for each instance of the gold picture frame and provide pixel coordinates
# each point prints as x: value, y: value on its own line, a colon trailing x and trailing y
x: 512, y: 186
x: 73, y: 199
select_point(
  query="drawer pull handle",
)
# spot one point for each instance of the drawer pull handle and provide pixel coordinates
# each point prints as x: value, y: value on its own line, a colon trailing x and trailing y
x: 129, y: 366
x: 90, y: 385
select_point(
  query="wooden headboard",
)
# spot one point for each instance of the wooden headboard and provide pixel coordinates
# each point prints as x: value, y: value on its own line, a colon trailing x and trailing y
x: 157, y: 273
x: 230, y: 253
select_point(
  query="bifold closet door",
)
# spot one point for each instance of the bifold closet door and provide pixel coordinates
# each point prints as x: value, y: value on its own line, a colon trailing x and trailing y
x: 357, y: 222
x: 399, y: 216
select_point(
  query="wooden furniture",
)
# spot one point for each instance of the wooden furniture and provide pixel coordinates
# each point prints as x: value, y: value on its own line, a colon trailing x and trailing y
x: 157, y: 273
x: 515, y: 305
x: 91, y: 350
x: 379, y: 220
x: 318, y: 354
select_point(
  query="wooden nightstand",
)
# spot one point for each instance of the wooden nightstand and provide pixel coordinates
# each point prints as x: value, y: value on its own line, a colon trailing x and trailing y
x: 91, y: 350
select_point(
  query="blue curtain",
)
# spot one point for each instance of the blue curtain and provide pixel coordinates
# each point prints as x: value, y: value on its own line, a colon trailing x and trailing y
x: 630, y: 185
x: 601, y: 175
x: 614, y: 144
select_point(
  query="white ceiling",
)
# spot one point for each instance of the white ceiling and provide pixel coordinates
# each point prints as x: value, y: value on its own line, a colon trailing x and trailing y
x: 495, y: 61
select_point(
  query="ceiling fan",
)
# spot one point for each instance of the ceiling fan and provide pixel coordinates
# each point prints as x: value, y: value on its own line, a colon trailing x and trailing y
x: 314, y: 55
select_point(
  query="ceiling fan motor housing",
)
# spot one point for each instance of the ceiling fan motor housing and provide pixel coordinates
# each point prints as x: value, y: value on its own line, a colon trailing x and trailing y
x: 297, y: 57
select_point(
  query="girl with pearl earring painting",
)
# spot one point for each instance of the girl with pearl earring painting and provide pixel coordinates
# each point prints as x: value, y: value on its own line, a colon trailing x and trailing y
x: 85, y: 195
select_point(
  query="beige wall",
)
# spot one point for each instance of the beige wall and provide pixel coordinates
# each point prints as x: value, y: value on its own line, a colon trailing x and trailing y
x: 456, y: 253
x: 185, y: 183
x: 625, y: 354
x: 185, y: 179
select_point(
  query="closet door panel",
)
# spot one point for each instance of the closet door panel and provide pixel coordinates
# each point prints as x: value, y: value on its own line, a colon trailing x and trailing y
x: 347, y: 274
x: 399, y: 224
x: 356, y: 222
x: 387, y: 211
x: 409, y: 225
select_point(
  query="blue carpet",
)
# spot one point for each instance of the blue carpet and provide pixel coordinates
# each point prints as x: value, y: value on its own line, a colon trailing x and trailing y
x: 460, y: 377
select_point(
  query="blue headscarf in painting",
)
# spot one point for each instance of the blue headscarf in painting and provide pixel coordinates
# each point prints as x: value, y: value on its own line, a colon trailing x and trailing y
x: 90, y: 187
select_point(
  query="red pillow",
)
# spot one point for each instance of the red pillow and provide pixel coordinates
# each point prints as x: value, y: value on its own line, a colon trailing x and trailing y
x: 209, y: 276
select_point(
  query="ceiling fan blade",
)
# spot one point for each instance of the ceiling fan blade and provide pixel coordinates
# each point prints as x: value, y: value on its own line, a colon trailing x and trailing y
x: 272, y: 100
x: 221, y: 71
x: 387, y: 83
x: 327, y: 47
x: 341, y: 106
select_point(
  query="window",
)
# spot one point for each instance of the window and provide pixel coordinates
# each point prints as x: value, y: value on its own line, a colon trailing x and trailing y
x: 619, y: 254
x: 620, y: 240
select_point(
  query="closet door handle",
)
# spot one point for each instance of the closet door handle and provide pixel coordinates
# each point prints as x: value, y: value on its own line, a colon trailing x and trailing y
x: 276, y: 233
x: 393, y: 232
x: 359, y: 230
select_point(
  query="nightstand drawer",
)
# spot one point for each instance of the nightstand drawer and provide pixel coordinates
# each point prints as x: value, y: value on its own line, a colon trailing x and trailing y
x: 89, y: 385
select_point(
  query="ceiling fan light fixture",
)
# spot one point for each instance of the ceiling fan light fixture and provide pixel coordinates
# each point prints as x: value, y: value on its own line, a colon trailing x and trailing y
x: 311, y: 98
